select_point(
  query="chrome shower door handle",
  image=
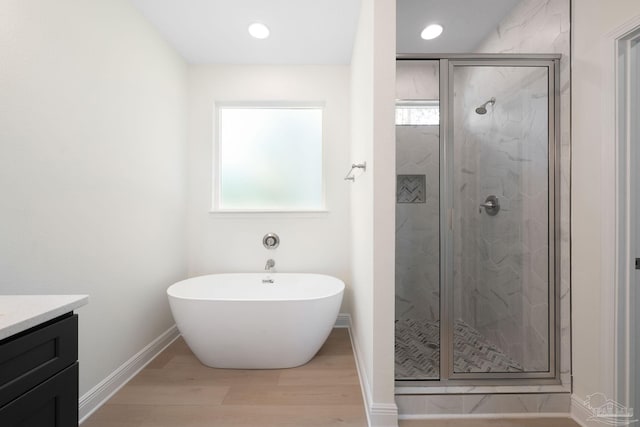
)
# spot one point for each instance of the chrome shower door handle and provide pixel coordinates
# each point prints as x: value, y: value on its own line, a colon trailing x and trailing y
x: 491, y: 205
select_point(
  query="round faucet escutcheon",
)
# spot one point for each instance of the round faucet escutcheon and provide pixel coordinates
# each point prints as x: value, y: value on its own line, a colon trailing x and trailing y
x: 271, y: 240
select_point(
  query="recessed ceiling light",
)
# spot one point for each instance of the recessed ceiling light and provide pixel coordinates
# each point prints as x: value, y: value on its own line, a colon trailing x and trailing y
x: 258, y: 30
x: 431, y: 31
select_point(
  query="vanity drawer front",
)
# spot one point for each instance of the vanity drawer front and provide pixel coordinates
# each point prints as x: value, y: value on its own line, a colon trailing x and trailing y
x: 54, y: 403
x: 36, y: 355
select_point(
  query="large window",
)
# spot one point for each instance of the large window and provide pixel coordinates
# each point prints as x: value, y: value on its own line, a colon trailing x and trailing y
x: 269, y: 159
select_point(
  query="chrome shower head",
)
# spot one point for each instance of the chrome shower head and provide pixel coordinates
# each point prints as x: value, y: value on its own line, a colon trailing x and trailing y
x: 483, y: 108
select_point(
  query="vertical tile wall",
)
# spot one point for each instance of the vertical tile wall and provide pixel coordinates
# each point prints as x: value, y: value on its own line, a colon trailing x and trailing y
x: 501, y: 274
x: 542, y: 26
x: 417, y: 224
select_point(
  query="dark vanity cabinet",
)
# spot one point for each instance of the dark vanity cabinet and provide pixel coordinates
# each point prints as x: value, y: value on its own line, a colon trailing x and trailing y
x: 39, y: 375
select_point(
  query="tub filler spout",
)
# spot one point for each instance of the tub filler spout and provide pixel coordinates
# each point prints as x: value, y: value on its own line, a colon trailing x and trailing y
x: 269, y: 265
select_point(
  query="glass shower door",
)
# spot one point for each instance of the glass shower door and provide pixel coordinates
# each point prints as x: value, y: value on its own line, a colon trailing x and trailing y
x: 477, y: 274
x: 417, y: 323
x: 502, y: 232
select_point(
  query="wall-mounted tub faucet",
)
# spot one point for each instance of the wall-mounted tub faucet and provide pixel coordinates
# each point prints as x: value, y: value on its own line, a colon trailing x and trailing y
x: 269, y: 265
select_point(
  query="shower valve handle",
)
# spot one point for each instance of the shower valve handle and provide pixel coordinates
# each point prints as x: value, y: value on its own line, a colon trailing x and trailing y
x: 491, y: 205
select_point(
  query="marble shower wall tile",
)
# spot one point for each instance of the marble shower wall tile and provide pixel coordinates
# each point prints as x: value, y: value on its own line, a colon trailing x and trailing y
x: 417, y: 80
x: 501, y: 153
x: 417, y: 226
x: 470, y: 403
x: 516, y: 172
x: 542, y: 26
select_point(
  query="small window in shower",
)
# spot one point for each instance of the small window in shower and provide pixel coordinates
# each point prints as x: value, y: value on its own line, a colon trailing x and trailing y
x: 269, y: 159
x: 418, y: 113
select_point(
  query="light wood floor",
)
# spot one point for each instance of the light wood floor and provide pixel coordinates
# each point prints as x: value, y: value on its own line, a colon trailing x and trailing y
x: 175, y: 390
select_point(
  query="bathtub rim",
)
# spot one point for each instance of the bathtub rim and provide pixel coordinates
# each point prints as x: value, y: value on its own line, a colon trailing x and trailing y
x: 339, y: 291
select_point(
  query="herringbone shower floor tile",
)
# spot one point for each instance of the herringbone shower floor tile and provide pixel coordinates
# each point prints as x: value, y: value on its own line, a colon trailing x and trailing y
x: 418, y: 350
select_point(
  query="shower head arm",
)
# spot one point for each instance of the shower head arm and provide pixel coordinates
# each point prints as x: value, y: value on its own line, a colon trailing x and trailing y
x: 492, y: 101
x: 483, y: 108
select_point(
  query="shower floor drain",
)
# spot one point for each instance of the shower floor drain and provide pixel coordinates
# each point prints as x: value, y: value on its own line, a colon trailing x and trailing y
x: 418, y: 351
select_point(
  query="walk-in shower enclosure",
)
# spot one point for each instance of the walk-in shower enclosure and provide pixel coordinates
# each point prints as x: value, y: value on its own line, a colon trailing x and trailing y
x: 477, y: 220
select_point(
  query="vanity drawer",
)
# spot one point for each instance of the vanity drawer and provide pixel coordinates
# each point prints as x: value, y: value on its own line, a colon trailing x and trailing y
x: 54, y: 403
x: 32, y: 357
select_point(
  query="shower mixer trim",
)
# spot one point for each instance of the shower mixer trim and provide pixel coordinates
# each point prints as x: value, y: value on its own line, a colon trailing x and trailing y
x: 491, y: 205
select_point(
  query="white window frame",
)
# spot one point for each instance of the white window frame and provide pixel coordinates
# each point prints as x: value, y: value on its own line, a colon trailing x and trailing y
x: 217, y: 160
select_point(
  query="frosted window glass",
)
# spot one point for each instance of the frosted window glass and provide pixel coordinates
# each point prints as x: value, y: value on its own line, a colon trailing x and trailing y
x: 270, y: 159
x: 416, y: 114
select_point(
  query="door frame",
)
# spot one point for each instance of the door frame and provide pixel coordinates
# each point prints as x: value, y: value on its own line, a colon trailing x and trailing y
x: 620, y: 162
x: 552, y: 376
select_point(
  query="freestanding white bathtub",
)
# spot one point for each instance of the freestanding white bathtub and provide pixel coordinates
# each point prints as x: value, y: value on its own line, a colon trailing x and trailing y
x: 238, y: 321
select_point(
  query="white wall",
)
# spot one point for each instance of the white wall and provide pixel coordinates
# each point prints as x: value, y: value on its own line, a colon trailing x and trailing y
x: 316, y: 243
x: 373, y: 205
x: 592, y: 21
x: 92, y: 169
x: 362, y: 128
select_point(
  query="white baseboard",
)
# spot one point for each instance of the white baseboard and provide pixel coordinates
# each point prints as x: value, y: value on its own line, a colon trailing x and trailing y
x: 580, y: 413
x: 343, y: 321
x: 378, y: 414
x: 585, y: 416
x: 383, y: 415
x: 98, y: 395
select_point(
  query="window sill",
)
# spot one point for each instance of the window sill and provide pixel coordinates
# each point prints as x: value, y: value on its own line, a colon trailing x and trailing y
x: 269, y: 214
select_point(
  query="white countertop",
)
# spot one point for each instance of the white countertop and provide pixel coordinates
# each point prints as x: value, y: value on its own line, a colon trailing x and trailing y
x: 21, y: 312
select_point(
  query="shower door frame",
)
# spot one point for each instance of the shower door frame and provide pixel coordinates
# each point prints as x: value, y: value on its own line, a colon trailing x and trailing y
x: 447, y: 376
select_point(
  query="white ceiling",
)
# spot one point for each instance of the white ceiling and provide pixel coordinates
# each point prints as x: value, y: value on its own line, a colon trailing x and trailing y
x: 311, y: 31
x: 215, y: 31
x: 466, y: 23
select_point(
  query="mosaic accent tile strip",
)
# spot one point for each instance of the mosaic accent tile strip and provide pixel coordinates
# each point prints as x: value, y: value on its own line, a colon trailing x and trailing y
x: 410, y: 189
x: 418, y: 351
